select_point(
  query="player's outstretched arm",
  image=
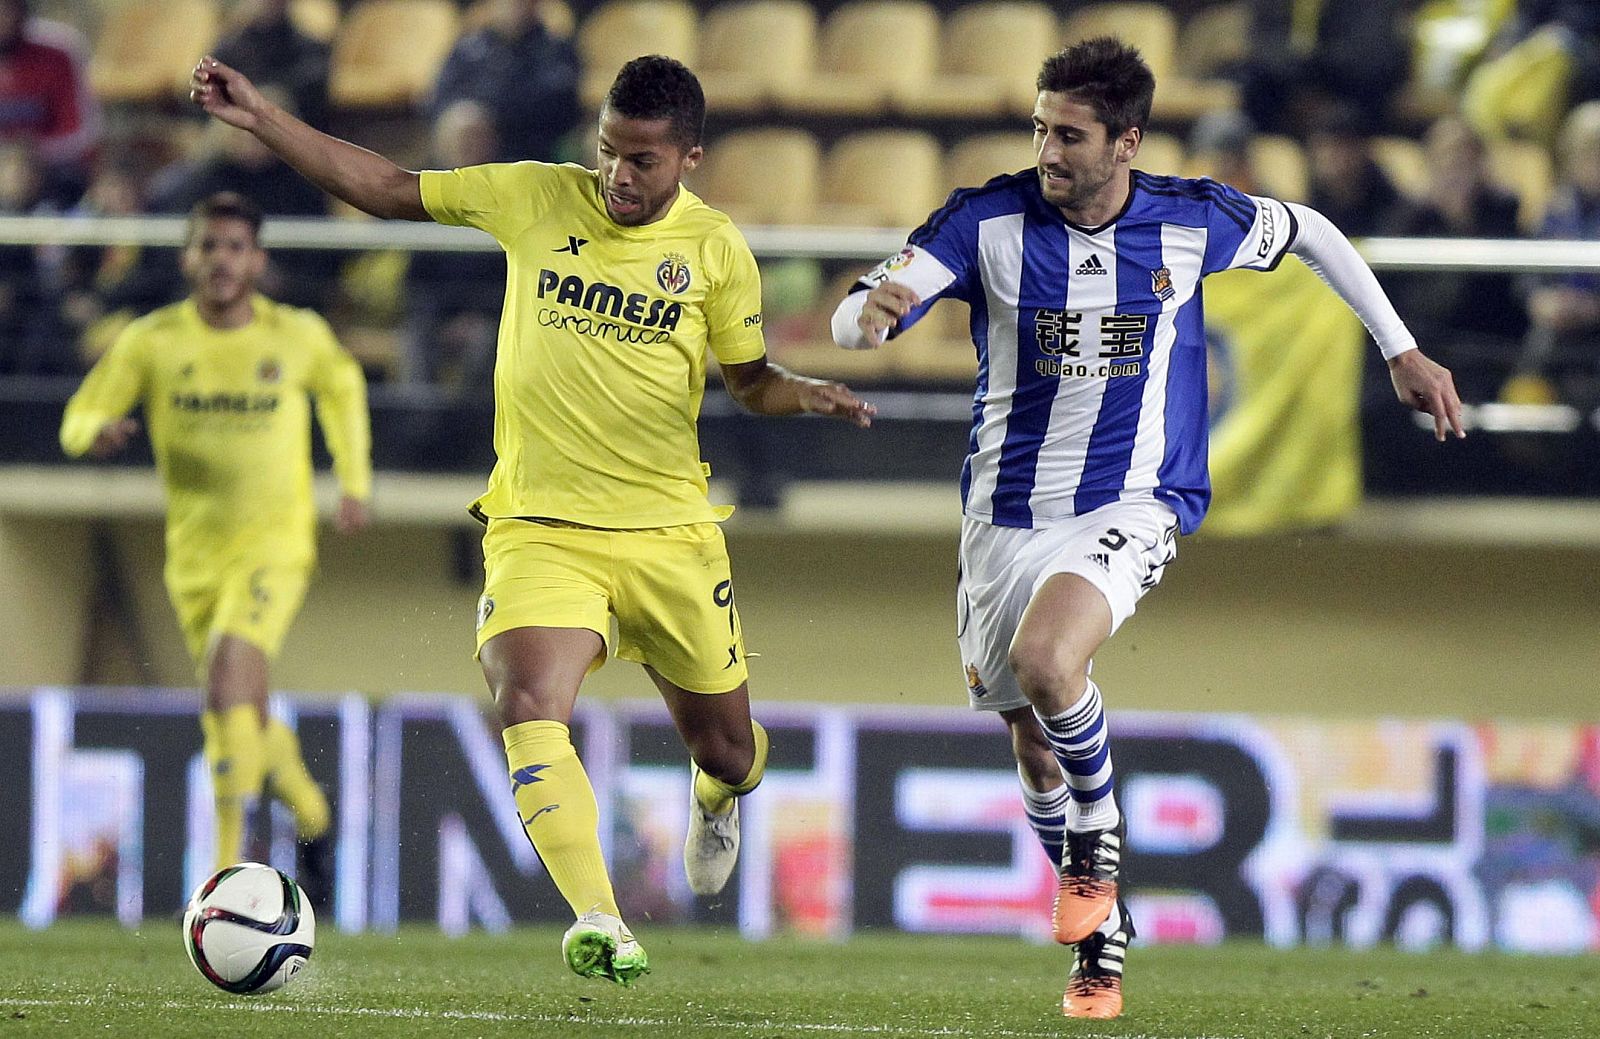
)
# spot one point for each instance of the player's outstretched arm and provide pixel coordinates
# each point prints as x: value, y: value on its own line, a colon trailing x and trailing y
x: 362, y: 178
x: 1420, y: 382
x: 767, y: 389
x: 863, y: 319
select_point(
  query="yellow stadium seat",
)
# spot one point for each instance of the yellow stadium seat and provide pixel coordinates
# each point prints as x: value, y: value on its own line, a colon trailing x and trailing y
x: 557, y: 16
x: 619, y: 31
x: 989, y: 61
x: 1525, y: 169
x: 881, y: 178
x: 388, y: 52
x: 1213, y: 38
x: 1404, y: 163
x: 977, y: 159
x: 938, y: 348
x: 869, y: 51
x: 748, y: 50
x: 1153, y: 29
x: 318, y: 19
x: 1280, y: 166
x: 816, y: 354
x: 762, y: 176
x: 147, y: 48
x: 1160, y: 153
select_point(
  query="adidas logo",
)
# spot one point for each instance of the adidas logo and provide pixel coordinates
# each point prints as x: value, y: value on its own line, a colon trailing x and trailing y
x: 1091, y: 266
x: 1102, y: 560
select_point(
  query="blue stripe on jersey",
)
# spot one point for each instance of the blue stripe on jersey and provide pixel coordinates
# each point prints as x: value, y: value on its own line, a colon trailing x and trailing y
x: 1044, y: 257
x: 1185, y: 483
x: 1105, y: 467
x: 980, y: 342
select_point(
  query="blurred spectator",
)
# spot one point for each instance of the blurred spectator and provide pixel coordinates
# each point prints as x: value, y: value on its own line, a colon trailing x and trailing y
x: 1219, y: 148
x: 1310, y: 54
x: 1561, y: 355
x: 23, y: 346
x: 1473, y: 318
x: 1347, y: 184
x: 1545, y: 59
x: 454, y: 299
x: 232, y: 160
x: 45, y: 98
x: 524, y: 75
x: 272, y: 52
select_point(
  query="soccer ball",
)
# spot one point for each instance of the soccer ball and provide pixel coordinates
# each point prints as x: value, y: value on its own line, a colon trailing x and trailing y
x: 248, y: 928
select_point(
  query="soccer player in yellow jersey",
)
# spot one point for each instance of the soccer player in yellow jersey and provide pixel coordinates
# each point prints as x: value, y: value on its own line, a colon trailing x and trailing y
x: 618, y: 279
x: 224, y: 379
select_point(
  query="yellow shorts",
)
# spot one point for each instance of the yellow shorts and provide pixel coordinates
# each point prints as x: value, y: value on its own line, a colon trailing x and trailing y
x: 670, y: 589
x: 256, y: 604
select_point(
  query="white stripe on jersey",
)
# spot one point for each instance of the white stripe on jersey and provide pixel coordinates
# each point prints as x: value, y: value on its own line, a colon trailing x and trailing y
x: 1000, y: 253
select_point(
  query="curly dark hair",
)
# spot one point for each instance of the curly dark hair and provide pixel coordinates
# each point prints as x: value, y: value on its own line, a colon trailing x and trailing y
x: 658, y: 87
x: 225, y: 205
x: 1108, y: 76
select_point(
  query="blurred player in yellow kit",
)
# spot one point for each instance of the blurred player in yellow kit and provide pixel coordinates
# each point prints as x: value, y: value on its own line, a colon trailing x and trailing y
x: 618, y: 282
x: 225, y: 379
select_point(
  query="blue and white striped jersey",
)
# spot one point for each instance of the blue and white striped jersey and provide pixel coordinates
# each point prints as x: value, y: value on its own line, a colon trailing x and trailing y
x: 1091, y: 342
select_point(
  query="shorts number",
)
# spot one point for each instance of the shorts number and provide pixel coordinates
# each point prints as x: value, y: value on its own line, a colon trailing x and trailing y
x: 1114, y: 539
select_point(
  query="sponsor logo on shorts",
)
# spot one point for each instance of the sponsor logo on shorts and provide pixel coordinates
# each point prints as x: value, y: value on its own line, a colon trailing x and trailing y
x: 975, y: 683
x: 1101, y: 560
x: 485, y: 610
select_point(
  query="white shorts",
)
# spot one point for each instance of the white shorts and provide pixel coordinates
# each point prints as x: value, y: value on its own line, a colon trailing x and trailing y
x: 1120, y: 548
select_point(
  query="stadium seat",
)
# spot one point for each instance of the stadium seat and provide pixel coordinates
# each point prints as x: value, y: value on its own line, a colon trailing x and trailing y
x: 1153, y: 29
x: 868, y: 51
x: 1213, y: 38
x: 557, y: 16
x: 881, y: 178
x: 147, y: 48
x: 1525, y: 169
x: 1160, y: 153
x: 989, y: 59
x: 622, y: 30
x: 318, y: 19
x: 938, y: 348
x: 816, y: 354
x: 388, y: 52
x: 1280, y: 166
x: 1404, y: 163
x: 978, y: 158
x: 762, y: 176
x: 749, y: 49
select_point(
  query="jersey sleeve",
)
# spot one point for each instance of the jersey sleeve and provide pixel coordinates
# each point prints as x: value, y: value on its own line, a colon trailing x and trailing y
x: 111, y: 389
x: 340, y: 392
x: 502, y: 198
x: 939, y: 260
x: 733, y: 304
x: 1248, y: 231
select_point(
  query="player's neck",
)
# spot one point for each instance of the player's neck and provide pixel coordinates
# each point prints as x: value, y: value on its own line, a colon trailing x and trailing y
x: 1104, y: 207
x: 226, y: 316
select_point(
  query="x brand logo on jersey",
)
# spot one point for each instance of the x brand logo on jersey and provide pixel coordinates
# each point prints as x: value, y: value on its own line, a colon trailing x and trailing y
x: 574, y: 243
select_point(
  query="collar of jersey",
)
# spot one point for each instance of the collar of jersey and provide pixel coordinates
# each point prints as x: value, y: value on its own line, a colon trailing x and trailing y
x: 258, y: 312
x: 1127, y: 203
x: 679, y: 204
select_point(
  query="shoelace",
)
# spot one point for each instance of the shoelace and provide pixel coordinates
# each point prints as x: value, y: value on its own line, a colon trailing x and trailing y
x: 719, y: 826
x: 1089, y: 984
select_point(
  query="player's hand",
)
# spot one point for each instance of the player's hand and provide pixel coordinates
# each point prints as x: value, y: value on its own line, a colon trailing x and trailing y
x: 885, y: 306
x: 113, y: 437
x: 227, y: 94
x: 835, y: 399
x: 1426, y: 385
x: 352, y: 516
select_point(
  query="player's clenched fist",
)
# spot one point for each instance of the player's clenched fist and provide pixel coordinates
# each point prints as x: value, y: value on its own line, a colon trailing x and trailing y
x: 885, y: 306
x: 226, y: 93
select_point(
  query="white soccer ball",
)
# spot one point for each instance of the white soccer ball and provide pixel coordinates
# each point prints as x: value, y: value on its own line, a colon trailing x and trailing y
x: 249, y: 928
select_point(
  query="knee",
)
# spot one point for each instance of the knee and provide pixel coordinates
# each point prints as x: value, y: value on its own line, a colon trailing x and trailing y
x: 1050, y: 679
x: 724, y: 754
x: 528, y: 699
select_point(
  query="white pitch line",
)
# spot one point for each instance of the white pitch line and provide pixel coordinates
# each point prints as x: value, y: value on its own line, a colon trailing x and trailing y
x: 498, y: 1017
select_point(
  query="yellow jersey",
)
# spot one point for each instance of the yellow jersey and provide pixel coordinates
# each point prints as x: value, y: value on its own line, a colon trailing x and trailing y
x: 228, y: 415
x: 601, y: 358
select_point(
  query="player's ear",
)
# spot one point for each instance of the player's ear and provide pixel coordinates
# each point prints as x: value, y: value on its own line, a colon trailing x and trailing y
x: 692, y: 158
x: 1128, y: 143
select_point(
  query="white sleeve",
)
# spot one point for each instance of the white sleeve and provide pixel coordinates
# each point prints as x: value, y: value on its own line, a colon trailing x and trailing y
x: 917, y: 269
x: 1326, y: 250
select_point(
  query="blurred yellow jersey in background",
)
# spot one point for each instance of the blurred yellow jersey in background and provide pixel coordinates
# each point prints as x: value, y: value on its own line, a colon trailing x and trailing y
x: 228, y: 415
x: 602, y: 350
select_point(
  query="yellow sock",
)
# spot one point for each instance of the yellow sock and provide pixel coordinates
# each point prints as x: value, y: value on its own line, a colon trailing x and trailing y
x: 292, y: 783
x: 556, y: 805
x: 233, y: 748
x: 714, y: 795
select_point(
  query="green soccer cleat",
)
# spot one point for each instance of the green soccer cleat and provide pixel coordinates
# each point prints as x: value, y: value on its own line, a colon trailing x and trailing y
x: 598, y: 945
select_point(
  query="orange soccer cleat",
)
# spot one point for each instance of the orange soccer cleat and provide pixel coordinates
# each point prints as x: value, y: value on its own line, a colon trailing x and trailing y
x: 1088, y: 888
x: 1094, y: 988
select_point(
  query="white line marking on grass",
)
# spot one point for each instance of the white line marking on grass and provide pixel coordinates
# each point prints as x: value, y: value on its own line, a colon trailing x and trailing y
x: 628, y: 1021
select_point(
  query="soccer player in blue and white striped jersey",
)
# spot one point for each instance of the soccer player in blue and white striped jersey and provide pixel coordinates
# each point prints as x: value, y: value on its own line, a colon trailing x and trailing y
x: 1087, y: 456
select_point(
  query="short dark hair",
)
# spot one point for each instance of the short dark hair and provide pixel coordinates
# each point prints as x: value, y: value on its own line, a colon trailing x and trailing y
x: 658, y: 87
x: 226, y: 205
x: 1108, y: 76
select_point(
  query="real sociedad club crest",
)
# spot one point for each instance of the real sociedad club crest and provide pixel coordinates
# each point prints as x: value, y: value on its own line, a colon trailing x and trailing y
x: 1161, y: 284
x: 673, y: 274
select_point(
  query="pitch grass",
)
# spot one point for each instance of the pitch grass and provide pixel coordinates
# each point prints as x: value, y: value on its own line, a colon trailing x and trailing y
x: 88, y: 979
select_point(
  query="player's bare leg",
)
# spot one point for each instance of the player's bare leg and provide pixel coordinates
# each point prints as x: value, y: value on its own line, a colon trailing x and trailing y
x: 1065, y: 623
x: 534, y: 675
x: 1045, y: 795
x: 728, y: 754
